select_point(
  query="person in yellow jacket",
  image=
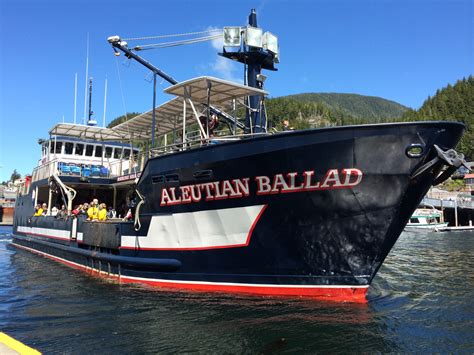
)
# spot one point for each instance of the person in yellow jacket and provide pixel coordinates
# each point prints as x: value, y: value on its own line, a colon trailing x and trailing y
x: 93, y: 211
x: 41, y: 209
x: 102, y: 212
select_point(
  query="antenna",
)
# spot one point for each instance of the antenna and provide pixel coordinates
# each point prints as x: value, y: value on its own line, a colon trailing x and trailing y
x: 90, y: 121
x: 87, y: 76
x: 105, y: 103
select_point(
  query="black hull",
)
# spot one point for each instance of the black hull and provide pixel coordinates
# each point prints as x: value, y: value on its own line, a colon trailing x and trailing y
x: 310, y: 236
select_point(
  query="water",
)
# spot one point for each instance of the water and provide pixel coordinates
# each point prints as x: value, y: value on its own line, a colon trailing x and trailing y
x: 421, y: 300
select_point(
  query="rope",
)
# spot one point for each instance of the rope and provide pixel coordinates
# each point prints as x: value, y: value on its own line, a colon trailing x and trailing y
x: 172, y: 35
x: 176, y: 43
x: 137, y: 225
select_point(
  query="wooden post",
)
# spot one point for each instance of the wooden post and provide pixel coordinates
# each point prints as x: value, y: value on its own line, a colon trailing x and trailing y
x: 456, y: 212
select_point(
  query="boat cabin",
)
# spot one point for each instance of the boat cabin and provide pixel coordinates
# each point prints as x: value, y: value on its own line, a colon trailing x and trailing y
x: 86, y: 162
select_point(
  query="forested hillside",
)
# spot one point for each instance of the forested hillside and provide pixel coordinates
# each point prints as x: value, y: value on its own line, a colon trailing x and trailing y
x: 375, y: 109
x: 452, y: 103
x: 122, y: 118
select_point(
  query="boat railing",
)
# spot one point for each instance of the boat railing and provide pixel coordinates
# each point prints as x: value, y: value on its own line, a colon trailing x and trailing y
x: 195, y: 141
x: 83, y: 170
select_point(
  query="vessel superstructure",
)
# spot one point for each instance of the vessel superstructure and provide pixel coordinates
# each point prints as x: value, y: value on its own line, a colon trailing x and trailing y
x: 300, y: 213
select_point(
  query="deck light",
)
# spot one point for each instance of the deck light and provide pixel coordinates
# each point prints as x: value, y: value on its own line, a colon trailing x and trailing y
x: 254, y: 37
x: 232, y: 37
x: 113, y: 39
x: 270, y: 42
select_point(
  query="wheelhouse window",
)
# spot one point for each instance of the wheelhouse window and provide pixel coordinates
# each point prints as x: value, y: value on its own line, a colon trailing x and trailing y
x: 108, y: 152
x: 79, y: 149
x: 117, y: 153
x: 126, y: 153
x: 68, y: 147
x: 98, y: 151
x: 89, y: 150
x: 59, y: 145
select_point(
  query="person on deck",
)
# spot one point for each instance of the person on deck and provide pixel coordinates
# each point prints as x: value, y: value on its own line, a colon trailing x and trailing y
x: 111, y: 212
x: 102, y: 215
x: 39, y: 210
x: 93, y: 211
x: 62, y: 213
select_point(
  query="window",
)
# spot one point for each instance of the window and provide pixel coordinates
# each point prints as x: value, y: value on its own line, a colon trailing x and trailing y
x: 58, y: 147
x: 108, y: 152
x: 126, y: 153
x: 79, y: 149
x: 117, y: 153
x: 68, y: 148
x: 98, y: 151
x: 414, y: 220
x: 89, y: 150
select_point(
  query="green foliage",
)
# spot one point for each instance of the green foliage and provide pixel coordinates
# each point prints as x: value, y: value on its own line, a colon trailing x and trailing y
x: 15, y: 176
x: 325, y: 110
x: 453, y: 185
x: 369, y: 108
x: 452, y: 103
x: 122, y: 119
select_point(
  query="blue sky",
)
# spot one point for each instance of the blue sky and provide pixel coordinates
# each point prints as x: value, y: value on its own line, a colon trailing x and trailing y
x: 399, y: 50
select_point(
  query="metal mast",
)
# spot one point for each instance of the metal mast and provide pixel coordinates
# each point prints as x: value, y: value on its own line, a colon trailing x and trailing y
x: 256, y: 54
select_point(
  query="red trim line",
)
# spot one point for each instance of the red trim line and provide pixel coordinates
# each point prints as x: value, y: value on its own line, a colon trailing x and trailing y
x: 337, y: 294
x: 247, y: 242
x: 340, y: 294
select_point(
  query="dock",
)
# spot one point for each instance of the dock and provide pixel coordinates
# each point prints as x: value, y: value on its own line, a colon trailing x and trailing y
x: 10, y: 346
x: 457, y: 207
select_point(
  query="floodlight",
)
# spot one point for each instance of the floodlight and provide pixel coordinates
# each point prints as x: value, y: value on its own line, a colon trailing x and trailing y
x: 253, y: 37
x: 270, y: 42
x: 113, y: 39
x: 232, y: 37
x: 261, y: 78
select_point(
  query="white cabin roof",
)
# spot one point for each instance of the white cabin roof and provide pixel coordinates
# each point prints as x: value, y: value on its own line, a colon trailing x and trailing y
x: 169, y: 116
x: 86, y: 132
x: 222, y: 91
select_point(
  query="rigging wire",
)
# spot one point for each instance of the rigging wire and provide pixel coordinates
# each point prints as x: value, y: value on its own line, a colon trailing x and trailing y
x: 123, y: 97
x: 176, y: 43
x: 173, y: 35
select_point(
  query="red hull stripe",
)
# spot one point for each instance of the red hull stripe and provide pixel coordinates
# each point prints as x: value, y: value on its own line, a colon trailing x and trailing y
x: 338, y: 293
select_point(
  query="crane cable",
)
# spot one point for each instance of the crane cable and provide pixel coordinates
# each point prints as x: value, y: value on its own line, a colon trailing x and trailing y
x: 176, y: 43
x: 173, y: 35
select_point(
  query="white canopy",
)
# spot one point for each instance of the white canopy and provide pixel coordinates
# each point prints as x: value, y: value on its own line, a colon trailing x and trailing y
x: 222, y: 91
x: 85, y: 132
x: 169, y: 116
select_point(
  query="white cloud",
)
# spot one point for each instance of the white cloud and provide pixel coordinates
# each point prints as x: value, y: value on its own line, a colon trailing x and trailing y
x: 222, y: 67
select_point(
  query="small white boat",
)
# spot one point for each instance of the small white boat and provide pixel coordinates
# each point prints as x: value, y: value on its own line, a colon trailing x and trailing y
x: 9, y: 193
x: 427, y: 219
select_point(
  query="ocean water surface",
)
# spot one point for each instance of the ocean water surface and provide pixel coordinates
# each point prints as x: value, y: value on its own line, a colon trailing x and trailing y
x: 421, y: 300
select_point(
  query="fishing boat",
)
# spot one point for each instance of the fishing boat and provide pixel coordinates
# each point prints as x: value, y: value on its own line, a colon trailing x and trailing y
x: 429, y: 219
x: 238, y: 209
